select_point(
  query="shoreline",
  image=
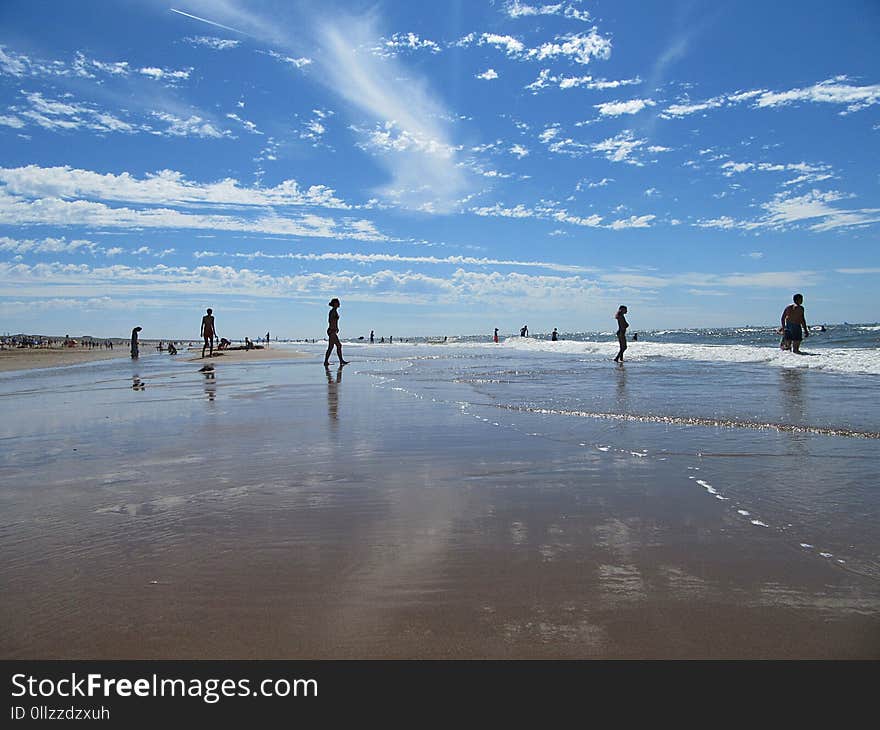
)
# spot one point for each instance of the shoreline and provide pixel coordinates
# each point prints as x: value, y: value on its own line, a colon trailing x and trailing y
x: 47, y: 358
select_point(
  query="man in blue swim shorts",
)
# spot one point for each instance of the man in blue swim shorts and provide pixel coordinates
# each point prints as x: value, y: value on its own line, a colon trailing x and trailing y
x: 794, y: 320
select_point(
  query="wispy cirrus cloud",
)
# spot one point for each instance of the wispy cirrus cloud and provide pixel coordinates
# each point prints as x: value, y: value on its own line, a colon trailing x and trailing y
x: 410, y: 138
x: 813, y: 210
x: 371, y: 258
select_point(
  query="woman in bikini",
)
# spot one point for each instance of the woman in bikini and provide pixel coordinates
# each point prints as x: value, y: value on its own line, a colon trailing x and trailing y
x: 622, y: 324
x: 333, y: 333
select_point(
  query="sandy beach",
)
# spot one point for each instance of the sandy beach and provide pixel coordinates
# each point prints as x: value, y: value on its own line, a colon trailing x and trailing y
x: 284, y: 510
x: 25, y: 358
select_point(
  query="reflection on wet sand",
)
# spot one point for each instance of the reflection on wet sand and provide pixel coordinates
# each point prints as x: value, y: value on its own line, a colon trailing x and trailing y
x: 333, y: 393
x: 436, y: 535
x: 210, y: 383
x: 791, y: 391
x: 620, y: 389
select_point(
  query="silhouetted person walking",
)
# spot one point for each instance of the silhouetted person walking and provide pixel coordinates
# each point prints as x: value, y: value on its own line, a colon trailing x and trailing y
x: 333, y: 333
x: 622, y: 324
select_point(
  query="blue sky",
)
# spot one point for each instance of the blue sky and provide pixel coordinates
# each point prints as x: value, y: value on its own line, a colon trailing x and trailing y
x: 446, y: 167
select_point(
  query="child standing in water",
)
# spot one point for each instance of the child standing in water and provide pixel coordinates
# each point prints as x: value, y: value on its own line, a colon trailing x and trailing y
x: 333, y: 333
x: 622, y: 324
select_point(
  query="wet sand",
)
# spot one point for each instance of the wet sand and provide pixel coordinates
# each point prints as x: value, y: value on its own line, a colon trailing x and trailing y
x: 194, y: 354
x: 281, y: 510
x: 26, y: 358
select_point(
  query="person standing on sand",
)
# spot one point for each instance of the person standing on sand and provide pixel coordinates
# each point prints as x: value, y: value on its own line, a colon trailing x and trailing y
x: 208, y: 332
x: 267, y: 340
x: 622, y: 324
x: 793, y: 320
x: 495, y: 338
x: 554, y: 336
x: 372, y: 336
x: 333, y: 333
x: 134, y: 342
x: 524, y: 331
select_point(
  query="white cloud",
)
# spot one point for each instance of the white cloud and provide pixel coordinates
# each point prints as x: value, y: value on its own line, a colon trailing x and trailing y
x: 488, y: 74
x: 64, y: 280
x: 616, y: 108
x: 18, y: 211
x: 301, y: 62
x: 593, y: 184
x: 217, y: 44
x: 11, y: 121
x: 248, y: 125
x: 46, y: 245
x: 546, y: 79
x: 832, y: 91
x: 519, y: 151
x: 404, y: 42
x: 517, y: 9
x: 166, y: 187
x: 510, y: 45
x: 192, y: 126
x: 625, y: 147
x: 370, y: 258
x: 634, y: 221
x: 164, y: 74
x: 578, y: 47
x: 556, y: 143
x: 546, y: 210
x: 812, y: 208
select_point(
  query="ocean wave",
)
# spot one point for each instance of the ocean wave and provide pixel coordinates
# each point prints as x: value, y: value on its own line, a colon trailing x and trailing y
x: 851, y: 360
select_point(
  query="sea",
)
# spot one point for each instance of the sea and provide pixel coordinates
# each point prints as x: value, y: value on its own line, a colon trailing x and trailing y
x: 787, y: 443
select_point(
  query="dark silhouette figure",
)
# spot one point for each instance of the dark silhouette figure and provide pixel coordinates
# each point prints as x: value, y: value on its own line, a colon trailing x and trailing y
x: 333, y: 333
x: 134, y: 342
x: 524, y: 331
x: 622, y: 324
x: 793, y: 321
x: 554, y: 336
x: 495, y: 338
x: 372, y: 336
x: 208, y: 333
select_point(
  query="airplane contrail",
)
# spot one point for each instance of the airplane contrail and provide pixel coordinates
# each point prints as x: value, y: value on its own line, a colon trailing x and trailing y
x: 211, y: 22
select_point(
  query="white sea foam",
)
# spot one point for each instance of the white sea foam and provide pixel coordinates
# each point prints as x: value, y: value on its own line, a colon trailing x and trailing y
x: 840, y: 359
